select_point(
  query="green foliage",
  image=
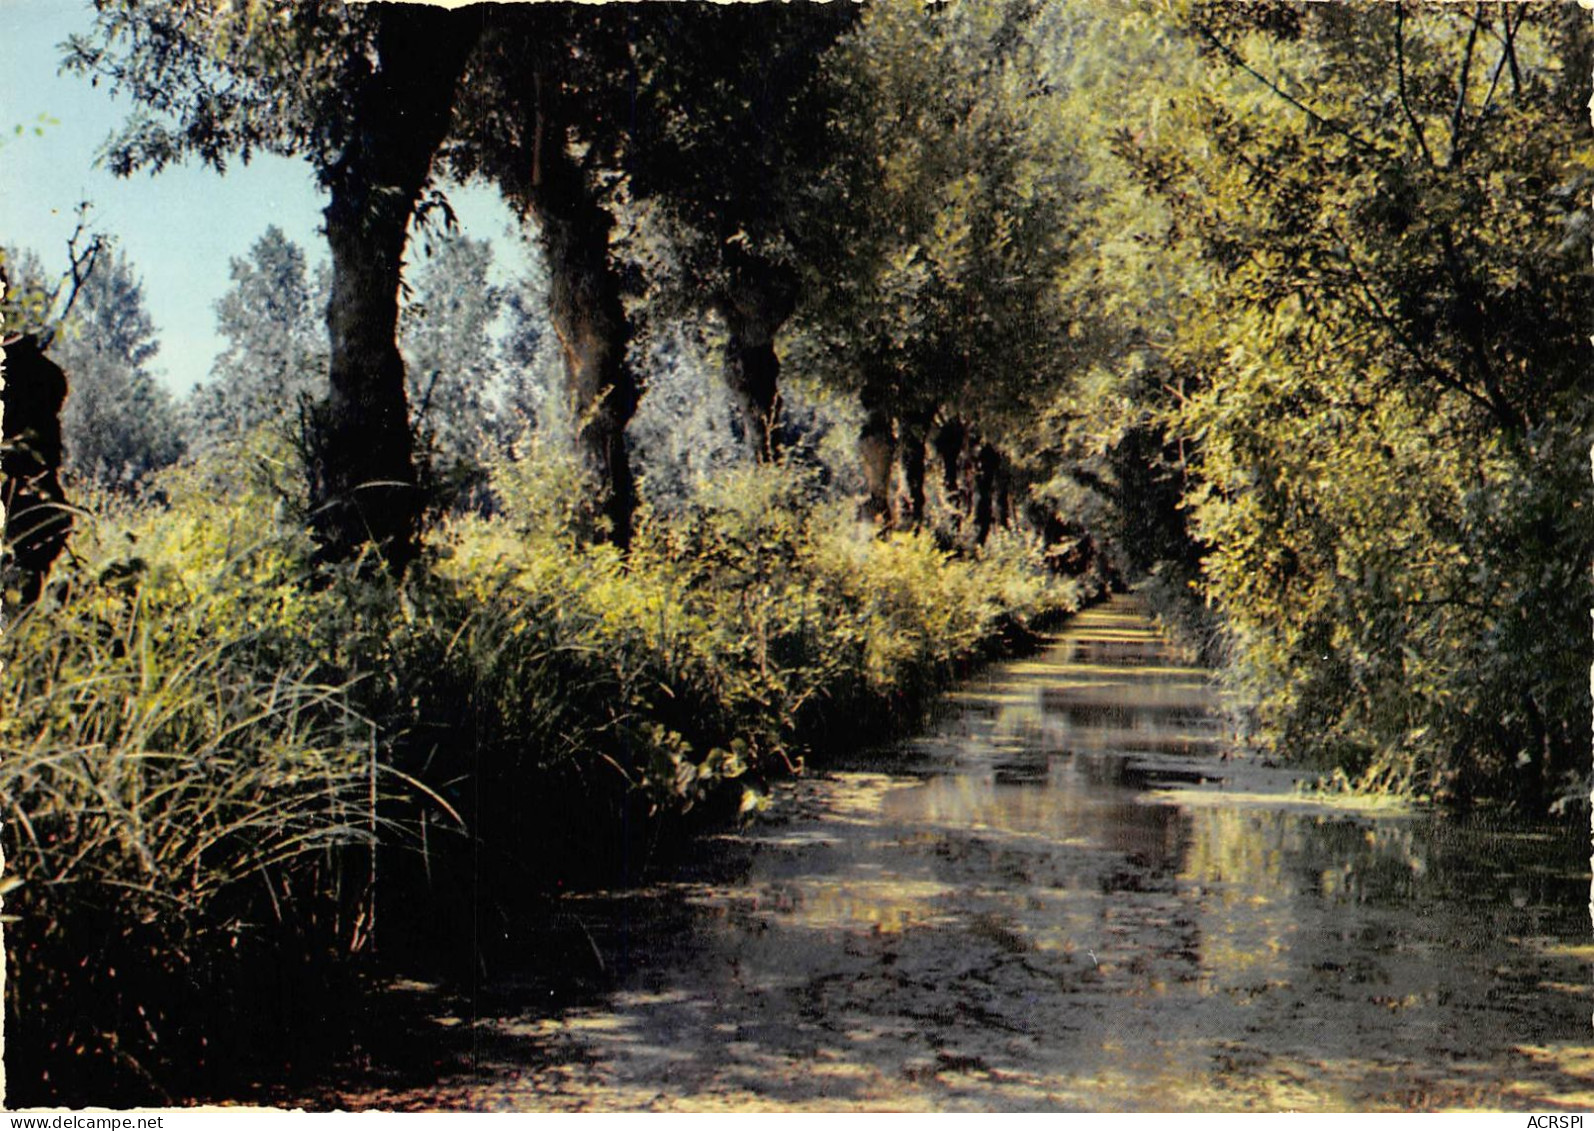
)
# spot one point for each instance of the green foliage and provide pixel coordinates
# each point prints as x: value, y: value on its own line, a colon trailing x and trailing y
x: 451, y: 365
x: 1283, y: 304
x: 1103, y: 448
x: 25, y: 305
x: 36, y: 128
x: 737, y: 621
x: 938, y: 237
x: 1381, y: 383
x: 682, y: 432
x: 541, y: 485
x: 222, y: 81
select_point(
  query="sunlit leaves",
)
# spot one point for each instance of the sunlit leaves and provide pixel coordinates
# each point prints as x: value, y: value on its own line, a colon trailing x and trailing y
x: 1387, y: 371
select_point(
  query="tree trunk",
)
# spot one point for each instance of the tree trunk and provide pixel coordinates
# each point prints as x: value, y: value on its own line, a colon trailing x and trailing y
x: 914, y: 431
x: 877, y: 445
x: 756, y: 305
x: 988, y: 466
x: 589, y: 317
x: 1575, y: 45
x: 752, y: 376
x: 37, y: 520
x: 364, y: 485
x: 948, y: 442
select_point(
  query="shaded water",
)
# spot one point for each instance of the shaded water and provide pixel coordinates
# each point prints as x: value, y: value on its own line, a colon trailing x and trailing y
x: 1063, y: 895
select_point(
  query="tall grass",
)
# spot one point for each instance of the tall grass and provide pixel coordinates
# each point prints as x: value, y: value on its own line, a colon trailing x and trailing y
x: 167, y: 798
x: 193, y: 805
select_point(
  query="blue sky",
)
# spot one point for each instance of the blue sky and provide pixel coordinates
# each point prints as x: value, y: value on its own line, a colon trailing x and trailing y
x: 179, y: 229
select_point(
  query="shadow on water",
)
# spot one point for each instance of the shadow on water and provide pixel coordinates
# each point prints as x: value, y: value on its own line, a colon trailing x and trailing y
x: 1064, y: 894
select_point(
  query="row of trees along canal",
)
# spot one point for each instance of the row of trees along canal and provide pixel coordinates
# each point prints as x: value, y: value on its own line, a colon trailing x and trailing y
x: 1311, y: 354
x: 1275, y: 309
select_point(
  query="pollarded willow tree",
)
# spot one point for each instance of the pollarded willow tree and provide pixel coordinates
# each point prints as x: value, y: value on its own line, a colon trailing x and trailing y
x: 365, y: 93
x: 563, y: 108
x: 739, y: 138
x: 547, y: 116
x: 677, y: 131
x: 1387, y: 402
x: 935, y: 245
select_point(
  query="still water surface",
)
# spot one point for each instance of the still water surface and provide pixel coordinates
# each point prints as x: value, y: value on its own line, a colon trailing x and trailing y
x: 1065, y: 894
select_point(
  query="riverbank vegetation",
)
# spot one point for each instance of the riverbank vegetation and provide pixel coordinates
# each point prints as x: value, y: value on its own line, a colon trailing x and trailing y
x: 1377, y: 389
x: 227, y: 774
x: 856, y: 343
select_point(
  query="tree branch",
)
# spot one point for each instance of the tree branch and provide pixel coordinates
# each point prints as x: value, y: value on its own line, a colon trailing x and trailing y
x: 1400, y: 83
x: 1458, y: 116
x: 81, y: 265
x: 1373, y: 305
x: 1472, y: 333
x: 1236, y: 60
x: 1511, y: 50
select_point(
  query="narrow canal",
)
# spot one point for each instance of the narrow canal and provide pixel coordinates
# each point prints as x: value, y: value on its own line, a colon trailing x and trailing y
x: 1064, y: 895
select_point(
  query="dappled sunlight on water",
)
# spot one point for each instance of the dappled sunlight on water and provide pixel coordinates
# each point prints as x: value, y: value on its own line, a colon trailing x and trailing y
x: 1066, y: 895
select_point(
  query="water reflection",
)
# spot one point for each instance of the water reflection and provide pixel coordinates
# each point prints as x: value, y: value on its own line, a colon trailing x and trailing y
x: 1065, y: 895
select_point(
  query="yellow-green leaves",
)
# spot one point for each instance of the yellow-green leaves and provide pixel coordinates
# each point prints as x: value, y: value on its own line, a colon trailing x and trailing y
x: 1382, y: 379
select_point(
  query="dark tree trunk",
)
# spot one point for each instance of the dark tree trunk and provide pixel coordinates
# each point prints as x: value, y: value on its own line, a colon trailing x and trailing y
x: 587, y: 313
x: 759, y: 301
x: 363, y: 472
x: 877, y: 446
x: 37, y: 520
x: 752, y: 376
x: 914, y: 432
x: 1575, y: 45
x: 948, y: 442
x: 987, y: 471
